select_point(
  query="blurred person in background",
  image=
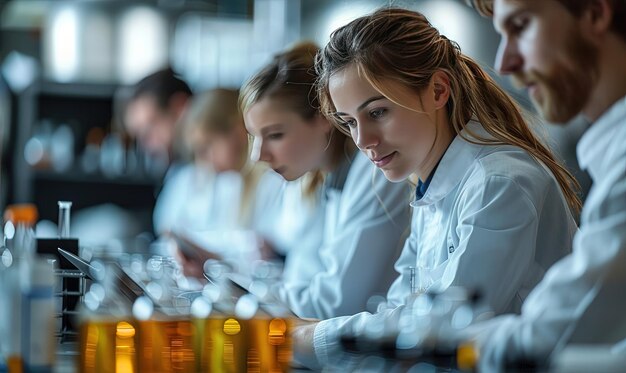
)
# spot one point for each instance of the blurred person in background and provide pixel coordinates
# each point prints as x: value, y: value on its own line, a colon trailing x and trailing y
x: 152, y: 117
x: 365, y: 217
x: 154, y: 111
x: 221, y: 191
x: 570, y: 67
x: 491, y: 212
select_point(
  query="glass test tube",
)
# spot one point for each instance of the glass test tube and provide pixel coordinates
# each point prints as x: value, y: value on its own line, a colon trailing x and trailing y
x: 64, y: 219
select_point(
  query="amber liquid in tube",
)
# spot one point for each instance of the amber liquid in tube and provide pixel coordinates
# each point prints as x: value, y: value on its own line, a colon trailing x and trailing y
x: 215, y: 344
x: 107, y: 346
x: 166, y: 346
x: 257, y: 345
x: 269, y: 348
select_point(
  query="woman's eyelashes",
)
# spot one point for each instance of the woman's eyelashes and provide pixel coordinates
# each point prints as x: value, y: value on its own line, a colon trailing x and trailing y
x: 275, y: 136
x: 374, y: 114
x: 377, y: 113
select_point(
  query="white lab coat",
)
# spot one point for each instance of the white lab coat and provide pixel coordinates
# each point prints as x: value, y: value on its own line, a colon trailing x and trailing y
x: 492, y: 219
x: 582, y: 298
x: 295, y: 222
x: 195, y: 199
x: 295, y: 227
x: 183, y: 199
x: 206, y: 208
x: 366, y: 219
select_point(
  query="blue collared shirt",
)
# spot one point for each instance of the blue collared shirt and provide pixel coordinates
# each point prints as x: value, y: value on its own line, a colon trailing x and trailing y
x: 422, y: 186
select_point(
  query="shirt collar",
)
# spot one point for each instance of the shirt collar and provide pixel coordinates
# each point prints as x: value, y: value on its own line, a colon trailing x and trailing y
x: 422, y: 186
x: 592, y: 147
x: 453, y: 165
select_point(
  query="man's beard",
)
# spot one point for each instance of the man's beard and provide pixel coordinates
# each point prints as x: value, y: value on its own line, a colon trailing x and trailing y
x: 564, y: 89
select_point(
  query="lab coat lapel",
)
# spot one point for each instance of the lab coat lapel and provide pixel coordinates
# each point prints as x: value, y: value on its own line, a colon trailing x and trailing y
x: 453, y: 166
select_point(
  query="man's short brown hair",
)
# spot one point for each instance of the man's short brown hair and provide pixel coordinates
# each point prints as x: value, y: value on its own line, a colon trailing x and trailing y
x: 576, y: 7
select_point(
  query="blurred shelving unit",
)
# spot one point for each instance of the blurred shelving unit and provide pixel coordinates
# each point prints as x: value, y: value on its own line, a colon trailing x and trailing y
x: 58, y: 126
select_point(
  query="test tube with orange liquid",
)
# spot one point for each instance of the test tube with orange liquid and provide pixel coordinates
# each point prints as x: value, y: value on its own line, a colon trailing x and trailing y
x: 166, y: 345
x: 107, y: 346
x: 260, y: 344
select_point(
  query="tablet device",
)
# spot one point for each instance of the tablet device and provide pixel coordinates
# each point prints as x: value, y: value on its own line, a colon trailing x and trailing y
x: 275, y: 308
x: 127, y: 286
x: 238, y: 288
x: 87, y: 269
x: 240, y: 281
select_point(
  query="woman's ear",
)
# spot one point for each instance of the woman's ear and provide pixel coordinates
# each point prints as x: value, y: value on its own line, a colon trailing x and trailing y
x: 441, y: 89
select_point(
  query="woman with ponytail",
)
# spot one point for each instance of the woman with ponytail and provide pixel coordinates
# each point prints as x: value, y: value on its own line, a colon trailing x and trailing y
x: 364, y: 218
x: 493, y: 207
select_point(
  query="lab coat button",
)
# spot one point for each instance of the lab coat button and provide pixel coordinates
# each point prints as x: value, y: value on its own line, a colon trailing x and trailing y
x: 432, y: 208
x: 451, y: 249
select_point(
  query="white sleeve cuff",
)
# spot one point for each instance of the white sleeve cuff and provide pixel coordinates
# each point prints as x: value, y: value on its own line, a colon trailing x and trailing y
x: 326, y: 339
x: 319, y: 342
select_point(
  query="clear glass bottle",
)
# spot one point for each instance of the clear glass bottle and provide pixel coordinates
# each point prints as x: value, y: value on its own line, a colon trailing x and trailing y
x: 22, y: 222
x: 6, y: 261
x: 30, y: 282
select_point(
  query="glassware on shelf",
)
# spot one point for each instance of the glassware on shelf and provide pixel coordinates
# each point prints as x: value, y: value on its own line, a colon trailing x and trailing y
x: 62, y: 148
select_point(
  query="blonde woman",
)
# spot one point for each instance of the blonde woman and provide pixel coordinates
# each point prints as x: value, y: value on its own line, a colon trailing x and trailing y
x: 212, y: 202
x: 492, y: 206
x: 364, y: 216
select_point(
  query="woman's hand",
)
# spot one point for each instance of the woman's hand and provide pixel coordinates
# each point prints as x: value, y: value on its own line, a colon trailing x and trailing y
x: 191, y: 256
x: 191, y: 267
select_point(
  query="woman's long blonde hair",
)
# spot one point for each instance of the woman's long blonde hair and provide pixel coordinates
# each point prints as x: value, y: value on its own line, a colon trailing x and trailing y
x: 216, y: 112
x: 290, y: 77
x: 402, y: 46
